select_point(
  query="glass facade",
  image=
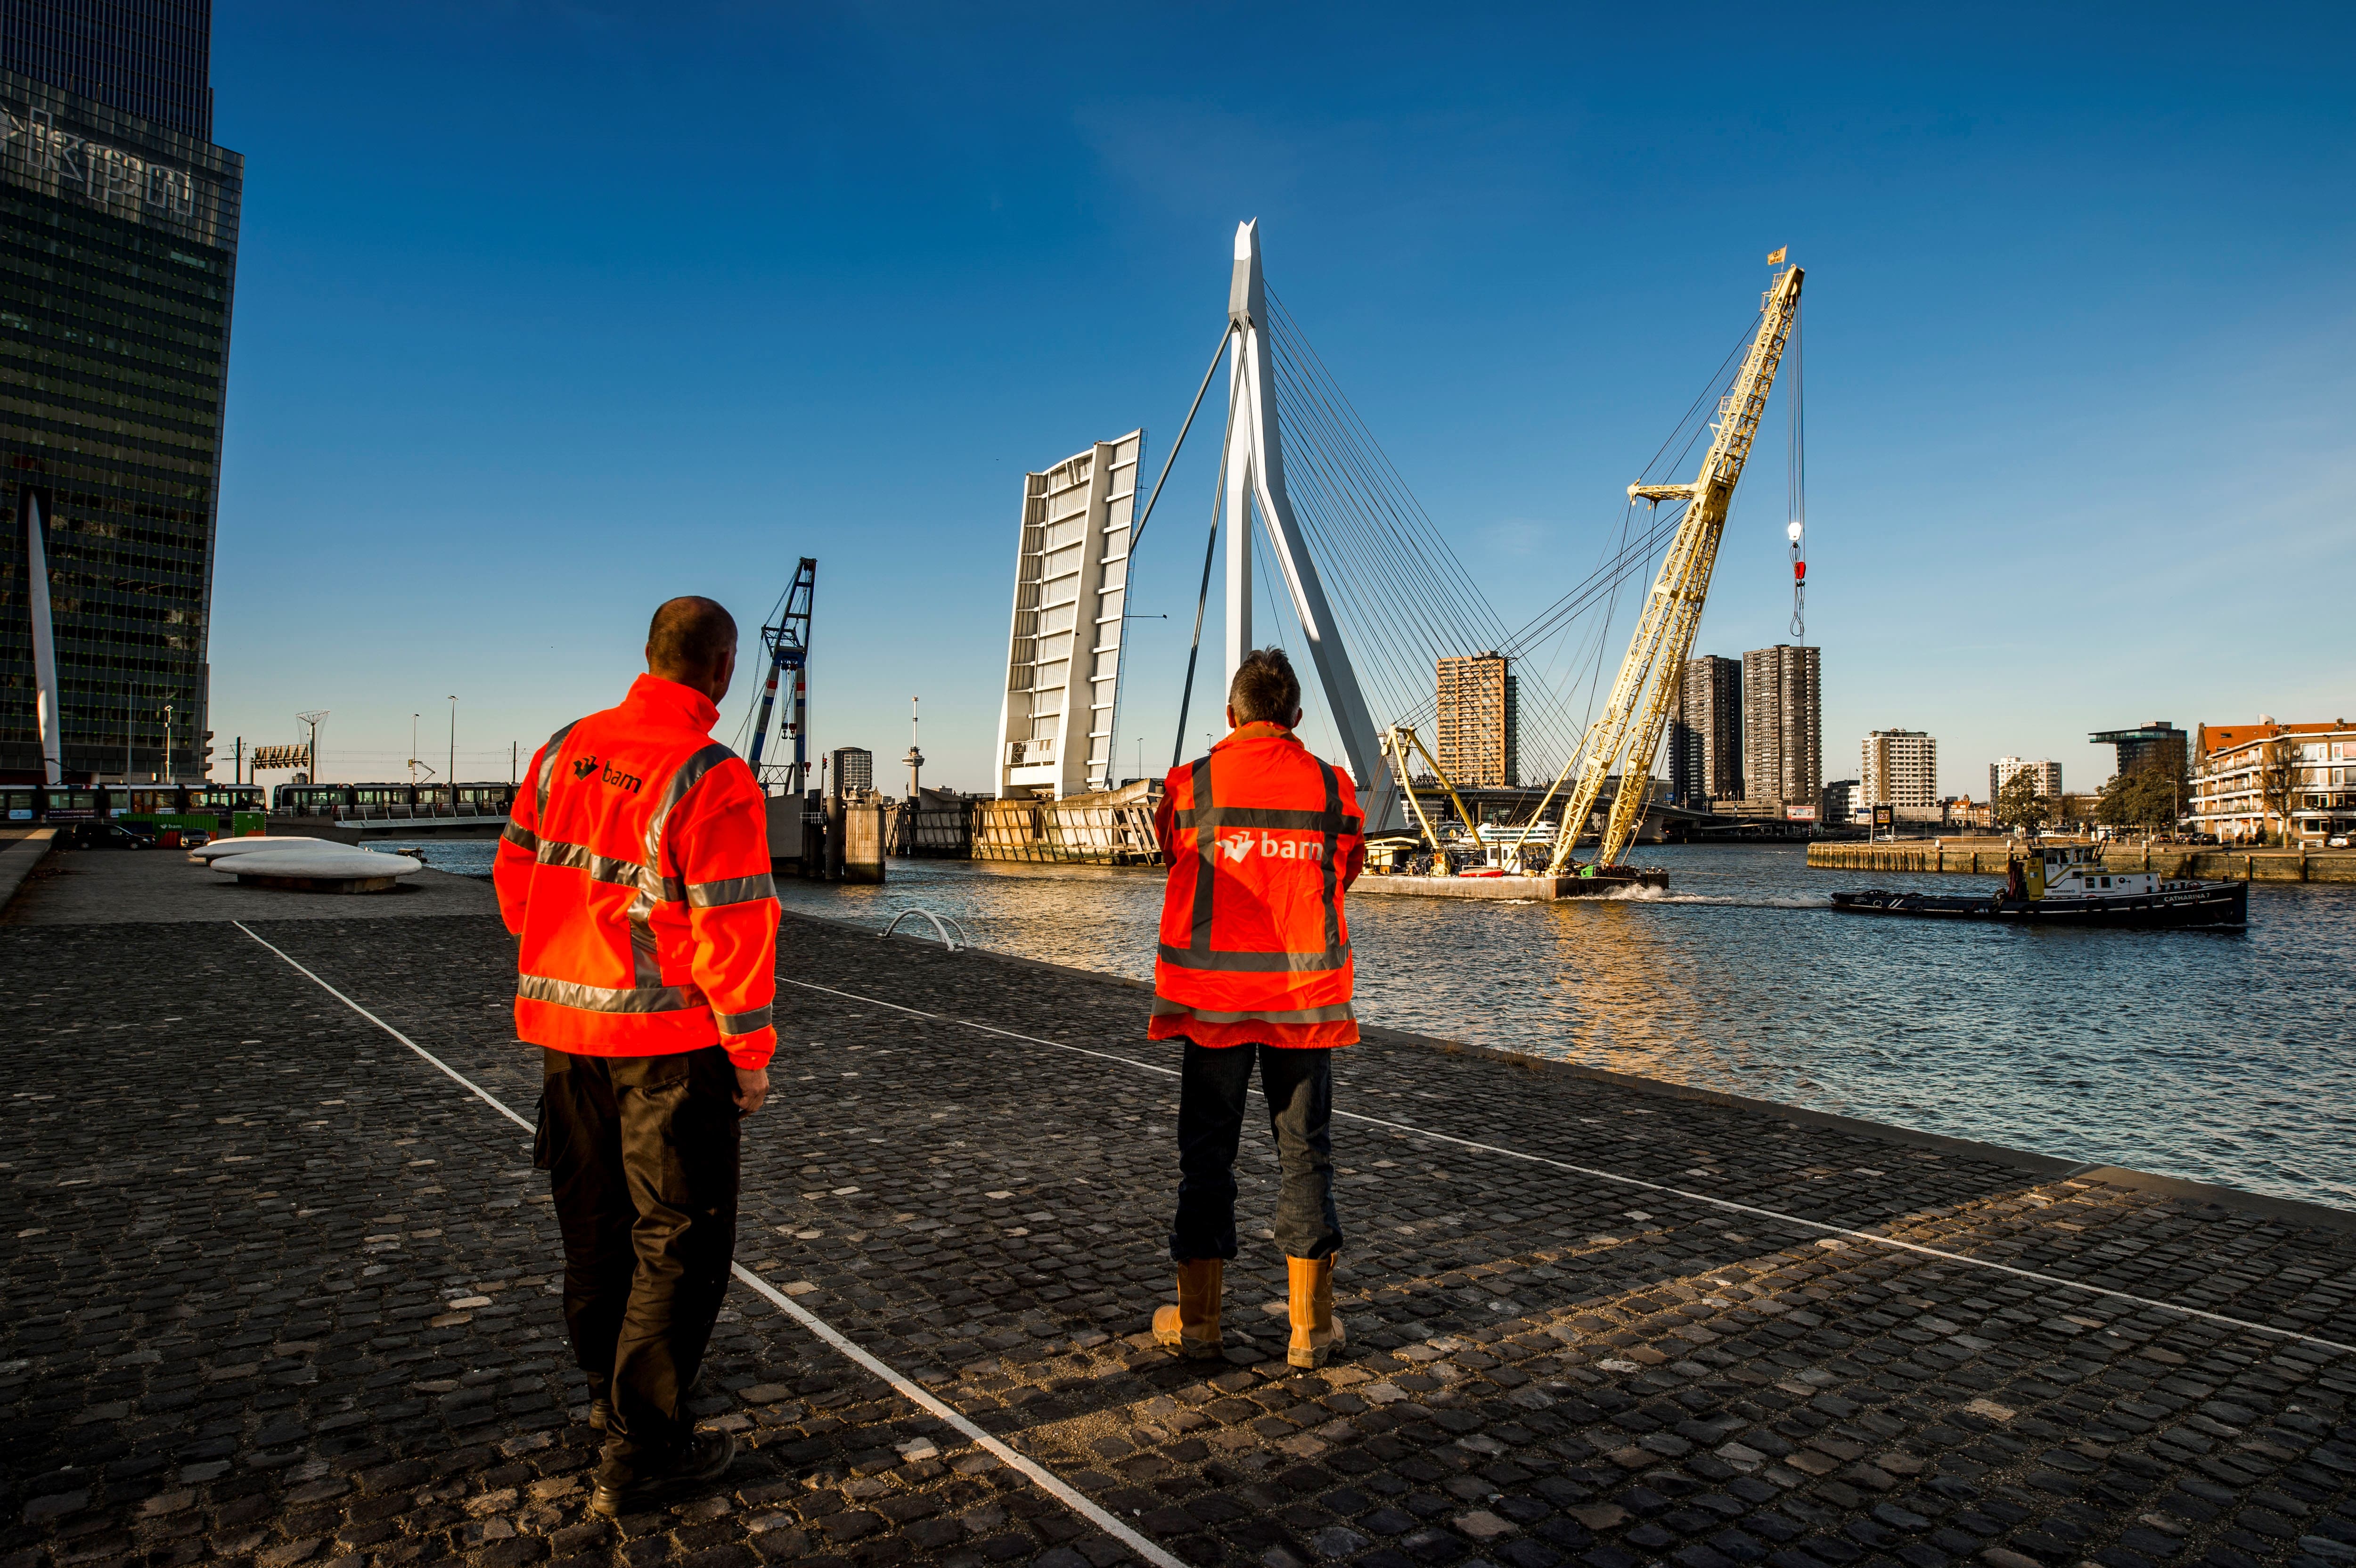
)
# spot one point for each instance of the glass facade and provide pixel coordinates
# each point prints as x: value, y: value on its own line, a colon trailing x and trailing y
x: 118, y: 256
x: 148, y: 58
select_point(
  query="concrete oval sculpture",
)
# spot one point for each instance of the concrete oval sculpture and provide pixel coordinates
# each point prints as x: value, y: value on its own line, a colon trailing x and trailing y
x: 205, y: 854
x: 320, y: 869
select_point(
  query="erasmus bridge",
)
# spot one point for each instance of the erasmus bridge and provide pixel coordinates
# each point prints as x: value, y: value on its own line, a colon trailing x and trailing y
x: 1361, y: 586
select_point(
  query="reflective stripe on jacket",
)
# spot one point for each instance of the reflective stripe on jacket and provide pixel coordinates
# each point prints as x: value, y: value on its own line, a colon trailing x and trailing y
x: 1262, y: 839
x: 635, y: 870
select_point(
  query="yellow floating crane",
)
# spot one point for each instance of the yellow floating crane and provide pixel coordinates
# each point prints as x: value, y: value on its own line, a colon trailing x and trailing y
x: 1627, y: 738
x: 1398, y: 741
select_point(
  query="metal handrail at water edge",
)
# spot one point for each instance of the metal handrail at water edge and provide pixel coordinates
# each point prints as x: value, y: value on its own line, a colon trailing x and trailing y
x: 951, y: 943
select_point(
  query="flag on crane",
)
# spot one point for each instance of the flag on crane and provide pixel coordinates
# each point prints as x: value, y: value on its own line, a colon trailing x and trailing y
x: 1775, y: 257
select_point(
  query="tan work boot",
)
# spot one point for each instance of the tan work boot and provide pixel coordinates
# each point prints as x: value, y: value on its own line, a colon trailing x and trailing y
x: 1315, y: 1330
x: 1191, y: 1327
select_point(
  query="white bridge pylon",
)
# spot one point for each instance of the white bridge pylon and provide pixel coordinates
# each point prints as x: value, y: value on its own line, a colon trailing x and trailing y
x: 1254, y: 465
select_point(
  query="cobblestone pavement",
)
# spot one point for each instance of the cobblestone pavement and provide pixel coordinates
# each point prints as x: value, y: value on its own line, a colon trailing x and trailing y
x: 111, y: 887
x: 280, y: 1292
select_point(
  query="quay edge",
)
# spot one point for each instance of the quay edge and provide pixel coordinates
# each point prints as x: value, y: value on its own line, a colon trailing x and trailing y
x: 2288, y: 1210
x: 1989, y: 858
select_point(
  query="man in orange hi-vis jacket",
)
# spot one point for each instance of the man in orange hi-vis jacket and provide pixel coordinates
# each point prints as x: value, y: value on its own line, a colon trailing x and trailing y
x: 1262, y: 841
x: 635, y: 875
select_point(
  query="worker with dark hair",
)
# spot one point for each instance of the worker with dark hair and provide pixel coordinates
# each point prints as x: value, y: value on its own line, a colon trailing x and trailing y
x: 1262, y: 839
x: 635, y: 874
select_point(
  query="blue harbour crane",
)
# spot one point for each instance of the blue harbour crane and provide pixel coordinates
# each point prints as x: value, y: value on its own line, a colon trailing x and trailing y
x: 787, y: 640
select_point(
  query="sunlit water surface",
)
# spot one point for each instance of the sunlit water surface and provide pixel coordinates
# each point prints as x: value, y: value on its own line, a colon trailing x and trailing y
x: 2224, y: 1058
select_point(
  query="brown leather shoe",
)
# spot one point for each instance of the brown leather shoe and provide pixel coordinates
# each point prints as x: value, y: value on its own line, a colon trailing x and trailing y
x: 1191, y: 1327
x: 1315, y: 1330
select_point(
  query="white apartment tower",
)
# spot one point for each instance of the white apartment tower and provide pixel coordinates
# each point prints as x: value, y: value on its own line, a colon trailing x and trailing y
x: 1063, y: 656
x: 2049, y: 777
x: 1899, y: 767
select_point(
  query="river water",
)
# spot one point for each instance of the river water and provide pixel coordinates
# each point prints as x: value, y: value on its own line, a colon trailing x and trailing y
x: 2224, y: 1058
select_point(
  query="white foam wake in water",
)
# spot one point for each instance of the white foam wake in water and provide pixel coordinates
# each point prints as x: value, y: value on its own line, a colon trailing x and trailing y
x: 1764, y: 901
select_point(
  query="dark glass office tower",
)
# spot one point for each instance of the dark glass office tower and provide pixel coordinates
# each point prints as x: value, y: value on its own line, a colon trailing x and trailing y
x: 148, y: 58
x: 118, y: 254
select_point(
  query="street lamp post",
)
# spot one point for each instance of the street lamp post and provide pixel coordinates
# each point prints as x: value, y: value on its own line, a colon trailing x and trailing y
x: 452, y: 777
x: 313, y: 720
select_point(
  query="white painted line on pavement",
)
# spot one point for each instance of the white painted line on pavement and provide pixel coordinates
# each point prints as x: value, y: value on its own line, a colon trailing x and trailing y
x: 1638, y: 1181
x: 1038, y: 1474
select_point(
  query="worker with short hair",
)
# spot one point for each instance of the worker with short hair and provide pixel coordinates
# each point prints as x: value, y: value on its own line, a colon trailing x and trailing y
x: 1262, y: 839
x: 635, y: 875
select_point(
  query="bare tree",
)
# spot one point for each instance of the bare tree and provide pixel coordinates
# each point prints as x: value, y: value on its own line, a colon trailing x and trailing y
x: 2279, y: 779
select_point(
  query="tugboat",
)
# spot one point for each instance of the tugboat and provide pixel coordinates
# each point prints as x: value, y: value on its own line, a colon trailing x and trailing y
x: 2067, y: 885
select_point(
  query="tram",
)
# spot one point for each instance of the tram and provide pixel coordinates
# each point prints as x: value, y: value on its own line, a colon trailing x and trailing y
x: 161, y: 812
x: 102, y: 802
x: 393, y: 802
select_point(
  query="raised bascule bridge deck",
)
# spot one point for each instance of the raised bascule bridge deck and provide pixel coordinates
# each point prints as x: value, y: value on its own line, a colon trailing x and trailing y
x: 282, y: 1290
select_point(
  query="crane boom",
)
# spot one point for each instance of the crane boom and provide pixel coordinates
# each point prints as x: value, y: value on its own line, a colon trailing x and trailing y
x: 1628, y: 735
x: 788, y: 645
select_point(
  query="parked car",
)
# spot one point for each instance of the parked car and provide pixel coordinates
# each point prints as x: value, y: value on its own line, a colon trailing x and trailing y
x: 110, y: 835
x: 2339, y: 842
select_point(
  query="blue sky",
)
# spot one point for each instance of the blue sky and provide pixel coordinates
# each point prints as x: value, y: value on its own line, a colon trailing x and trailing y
x: 548, y: 312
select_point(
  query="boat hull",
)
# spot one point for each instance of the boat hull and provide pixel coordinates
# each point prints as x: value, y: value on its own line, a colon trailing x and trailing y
x: 2210, y: 906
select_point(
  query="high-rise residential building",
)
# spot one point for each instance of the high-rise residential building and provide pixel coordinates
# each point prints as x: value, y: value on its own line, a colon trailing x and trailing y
x: 1899, y: 767
x: 1480, y: 735
x: 1783, y: 726
x: 1706, y: 732
x: 120, y: 238
x: 1684, y: 748
x: 855, y: 769
x: 2049, y: 777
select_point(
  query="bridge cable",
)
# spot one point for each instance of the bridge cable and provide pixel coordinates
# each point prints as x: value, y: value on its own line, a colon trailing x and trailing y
x: 1358, y: 501
x: 1137, y: 535
x: 1203, y: 595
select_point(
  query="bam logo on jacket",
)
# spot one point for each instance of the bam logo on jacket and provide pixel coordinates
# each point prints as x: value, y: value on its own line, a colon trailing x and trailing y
x: 1242, y: 844
x: 583, y: 766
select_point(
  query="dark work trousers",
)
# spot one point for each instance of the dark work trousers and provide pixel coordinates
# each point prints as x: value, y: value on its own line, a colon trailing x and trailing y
x: 1299, y: 1085
x: 642, y: 1153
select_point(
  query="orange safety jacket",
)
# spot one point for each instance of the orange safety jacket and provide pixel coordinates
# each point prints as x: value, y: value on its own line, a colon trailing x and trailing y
x: 635, y: 869
x: 1261, y: 838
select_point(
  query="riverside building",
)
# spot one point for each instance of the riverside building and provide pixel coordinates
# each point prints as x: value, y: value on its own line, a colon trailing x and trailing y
x: 1782, y: 728
x: 2156, y: 744
x: 1899, y: 767
x: 854, y: 770
x: 1706, y: 732
x: 2232, y: 796
x: 1480, y: 727
x: 120, y: 246
x: 2048, y: 775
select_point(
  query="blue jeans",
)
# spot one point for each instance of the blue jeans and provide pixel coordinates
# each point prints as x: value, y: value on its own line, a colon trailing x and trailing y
x: 1299, y: 1085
